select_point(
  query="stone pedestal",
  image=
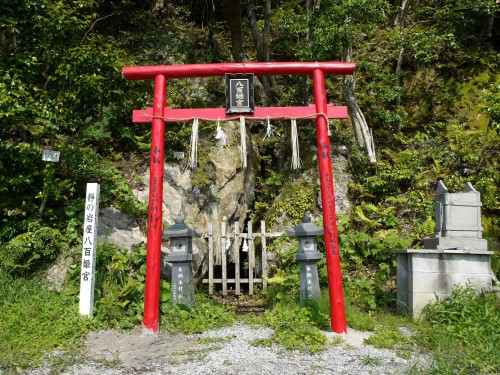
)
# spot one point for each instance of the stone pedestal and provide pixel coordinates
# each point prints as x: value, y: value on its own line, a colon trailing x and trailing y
x: 424, y: 274
x: 182, y: 287
x: 309, y: 279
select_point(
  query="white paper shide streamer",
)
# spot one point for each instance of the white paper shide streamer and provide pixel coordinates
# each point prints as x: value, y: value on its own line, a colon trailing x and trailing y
x: 220, y: 136
x: 269, y: 130
x: 295, y: 146
x: 193, y: 149
x: 243, y: 141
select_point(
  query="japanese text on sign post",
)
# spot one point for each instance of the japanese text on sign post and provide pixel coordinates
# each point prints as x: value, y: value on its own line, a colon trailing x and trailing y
x: 89, y: 249
x: 239, y: 93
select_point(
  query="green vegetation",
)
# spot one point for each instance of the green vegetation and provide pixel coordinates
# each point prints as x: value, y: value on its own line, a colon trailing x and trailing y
x: 35, y: 322
x: 31, y: 250
x: 459, y: 334
x: 462, y: 333
x: 119, y: 285
x: 295, y: 328
x: 295, y: 198
x: 205, y: 315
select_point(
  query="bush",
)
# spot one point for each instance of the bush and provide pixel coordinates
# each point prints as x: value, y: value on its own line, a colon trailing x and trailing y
x: 119, y: 285
x: 32, y: 250
x: 463, y: 332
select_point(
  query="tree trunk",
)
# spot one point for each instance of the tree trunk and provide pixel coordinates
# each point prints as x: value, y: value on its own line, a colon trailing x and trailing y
x: 267, y: 31
x: 261, y: 42
x: 306, y: 84
x: 362, y: 133
x: 210, y: 16
x: 401, y: 19
x: 234, y: 20
x: 398, y: 83
x: 487, y: 31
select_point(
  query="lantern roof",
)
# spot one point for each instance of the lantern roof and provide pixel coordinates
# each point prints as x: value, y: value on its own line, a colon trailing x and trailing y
x: 306, y: 228
x: 180, y: 229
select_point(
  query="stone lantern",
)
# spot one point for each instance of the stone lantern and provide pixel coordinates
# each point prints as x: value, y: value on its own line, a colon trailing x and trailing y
x: 308, y: 257
x: 181, y: 257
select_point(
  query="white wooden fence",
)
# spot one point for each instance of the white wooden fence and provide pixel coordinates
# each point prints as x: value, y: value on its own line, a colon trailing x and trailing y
x: 226, y: 247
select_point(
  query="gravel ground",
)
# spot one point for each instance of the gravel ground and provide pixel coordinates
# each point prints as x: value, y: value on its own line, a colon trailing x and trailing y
x: 227, y: 351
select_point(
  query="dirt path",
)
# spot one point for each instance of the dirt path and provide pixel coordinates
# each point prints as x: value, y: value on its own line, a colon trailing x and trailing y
x: 228, y: 351
x: 138, y: 349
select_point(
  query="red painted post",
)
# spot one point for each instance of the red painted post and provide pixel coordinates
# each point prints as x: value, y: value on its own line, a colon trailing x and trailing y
x: 151, y: 316
x: 337, y: 308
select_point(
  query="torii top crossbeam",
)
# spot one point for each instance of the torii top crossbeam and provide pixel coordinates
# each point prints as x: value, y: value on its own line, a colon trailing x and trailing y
x: 213, y: 70
x: 159, y: 114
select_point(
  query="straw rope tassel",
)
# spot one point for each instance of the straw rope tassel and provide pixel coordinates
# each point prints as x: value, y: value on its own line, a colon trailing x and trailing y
x: 243, y: 141
x: 295, y: 146
x: 193, y: 149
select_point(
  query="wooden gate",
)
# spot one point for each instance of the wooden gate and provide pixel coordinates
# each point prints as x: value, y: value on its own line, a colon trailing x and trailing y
x: 226, y: 247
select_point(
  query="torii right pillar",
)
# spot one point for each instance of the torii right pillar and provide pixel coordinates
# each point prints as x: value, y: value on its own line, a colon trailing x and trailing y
x: 337, y: 307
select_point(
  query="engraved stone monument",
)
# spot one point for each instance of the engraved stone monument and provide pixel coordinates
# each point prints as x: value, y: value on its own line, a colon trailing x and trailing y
x: 458, y: 220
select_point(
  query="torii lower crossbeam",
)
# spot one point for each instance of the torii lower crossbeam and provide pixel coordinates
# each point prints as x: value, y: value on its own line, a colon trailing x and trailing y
x: 214, y: 114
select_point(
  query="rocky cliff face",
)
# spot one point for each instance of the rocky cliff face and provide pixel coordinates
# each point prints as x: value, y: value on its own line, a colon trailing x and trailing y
x: 229, y: 192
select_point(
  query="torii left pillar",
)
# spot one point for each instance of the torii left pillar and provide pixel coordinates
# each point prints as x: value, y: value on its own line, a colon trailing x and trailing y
x: 151, y: 317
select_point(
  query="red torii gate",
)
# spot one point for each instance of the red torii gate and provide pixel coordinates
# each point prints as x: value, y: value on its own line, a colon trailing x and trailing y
x: 160, y: 114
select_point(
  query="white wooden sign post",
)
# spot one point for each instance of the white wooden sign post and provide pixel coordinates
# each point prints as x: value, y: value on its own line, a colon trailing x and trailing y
x: 89, y: 249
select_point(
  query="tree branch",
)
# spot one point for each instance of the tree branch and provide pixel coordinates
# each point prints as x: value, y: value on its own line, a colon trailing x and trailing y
x: 93, y: 24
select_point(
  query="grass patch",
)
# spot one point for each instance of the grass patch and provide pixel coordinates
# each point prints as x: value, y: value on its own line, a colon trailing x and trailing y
x: 337, y: 341
x: 462, y: 333
x: 371, y: 361
x: 214, y: 340
x: 357, y: 319
x: 388, y: 333
x: 262, y: 343
x: 36, y: 322
x: 295, y: 328
x: 387, y: 337
x: 205, y: 315
x: 112, y: 360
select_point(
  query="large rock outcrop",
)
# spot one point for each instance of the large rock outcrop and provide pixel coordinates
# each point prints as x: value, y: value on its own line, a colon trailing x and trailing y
x: 118, y: 228
x: 229, y: 193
